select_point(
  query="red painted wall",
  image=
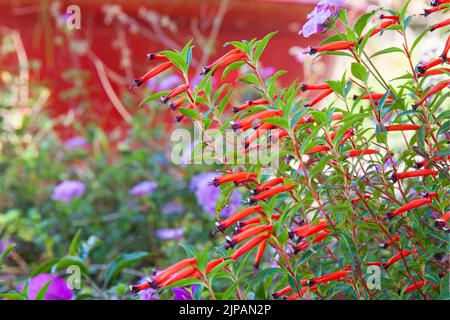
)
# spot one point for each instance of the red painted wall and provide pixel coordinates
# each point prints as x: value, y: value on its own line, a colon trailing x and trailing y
x: 244, y: 20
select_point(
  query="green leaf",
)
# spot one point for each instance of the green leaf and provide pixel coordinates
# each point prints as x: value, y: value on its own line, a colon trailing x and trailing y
x: 74, y: 243
x: 43, y: 290
x: 122, y: 262
x: 385, y: 51
x: 190, y: 113
x: 362, y: 22
x: 224, y: 197
x: 359, y: 71
x: 5, y: 253
x: 153, y: 97
x: 278, y: 121
x: 68, y: 261
x: 261, y: 45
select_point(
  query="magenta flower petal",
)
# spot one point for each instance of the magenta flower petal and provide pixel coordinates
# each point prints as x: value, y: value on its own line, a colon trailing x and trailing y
x: 57, y: 290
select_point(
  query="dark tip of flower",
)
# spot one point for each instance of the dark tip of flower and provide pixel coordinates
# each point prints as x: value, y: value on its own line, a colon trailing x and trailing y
x: 136, y: 83
x: 205, y: 71
x: 312, y: 50
x: 178, y: 118
x: 246, y: 144
x: 234, y: 125
x: 439, y: 224
x: 172, y: 106
x: 150, y: 56
x: 256, y: 266
x: 214, y: 182
x: 164, y: 99
x: 389, y: 216
x: 385, y: 266
x: 230, y: 242
x: 442, y: 274
x: 421, y: 68
x: 303, y: 86
x: 251, y: 201
x: 235, y: 109
x: 383, y: 245
x: 355, y: 97
x: 443, y: 57
x: 291, y: 234
x: 275, y: 295
x: 219, y: 227
x: 426, y: 12
x: 394, y: 178
x: 311, y: 282
x: 307, y: 105
x: 417, y: 165
x: 415, y: 106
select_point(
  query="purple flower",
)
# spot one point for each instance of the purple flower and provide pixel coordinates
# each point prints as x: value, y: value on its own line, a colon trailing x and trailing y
x: 57, y: 290
x: 77, y: 142
x: 172, y: 207
x: 181, y: 293
x: 319, y: 18
x: 170, y: 234
x: 207, y: 194
x: 166, y: 83
x: 267, y: 72
x: 144, y: 188
x: 67, y: 190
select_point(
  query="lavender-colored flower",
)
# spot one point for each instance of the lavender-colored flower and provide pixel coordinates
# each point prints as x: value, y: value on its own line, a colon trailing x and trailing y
x: 77, y: 142
x: 319, y: 18
x: 181, y: 293
x: 170, y: 234
x: 148, y: 294
x: 57, y: 290
x: 207, y: 194
x: 67, y: 190
x: 144, y: 188
x: 171, y: 208
x: 266, y: 72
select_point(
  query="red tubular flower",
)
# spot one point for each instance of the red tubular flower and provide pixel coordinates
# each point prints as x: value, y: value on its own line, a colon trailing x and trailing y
x: 304, y: 244
x: 382, y: 26
x: 267, y: 185
x: 166, y: 273
x: 370, y: 96
x: 156, y: 56
x: 177, y: 103
x: 258, y: 132
x: 435, y: 3
x: 307, y: 87
x: 319, y: 98
x: 388, y: 243
x: 347, y: 135
x: 184, y: 274
x: 357, y: 153
x: 248, y: 246
x: 427, y: 12
x: 423, y: 67
x: 309, y: 229
x: 402, y: 127
x: 151, y: 73
x: 224, y: 61
x: 434, y: 72
x: 230, y: 177
x: 446, y: 48
x: 434, y: 89
x: 409, y: 206
x: 440, y: 25
x: 390, y: 17
x: 222, y: 225
x: 250, y: 103
x: 355, y: 201
x: 175, y: 92
x: 404, y: 253
x: 247, y: 224
x: 303, y: 290
x: 412, y: 174
x: 259, y: 254
x: 337, y: 275
x: 270, y: 193
x: 318, y: 148
x: 248, y: 122
x: 416, y: 286
x: 441, y: 223
x: 213, y: 264
x: 332, y: 46
x: 244, y: 235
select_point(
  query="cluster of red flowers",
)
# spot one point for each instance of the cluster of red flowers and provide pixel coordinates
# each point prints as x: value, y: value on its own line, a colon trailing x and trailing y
x: 254, y: 227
